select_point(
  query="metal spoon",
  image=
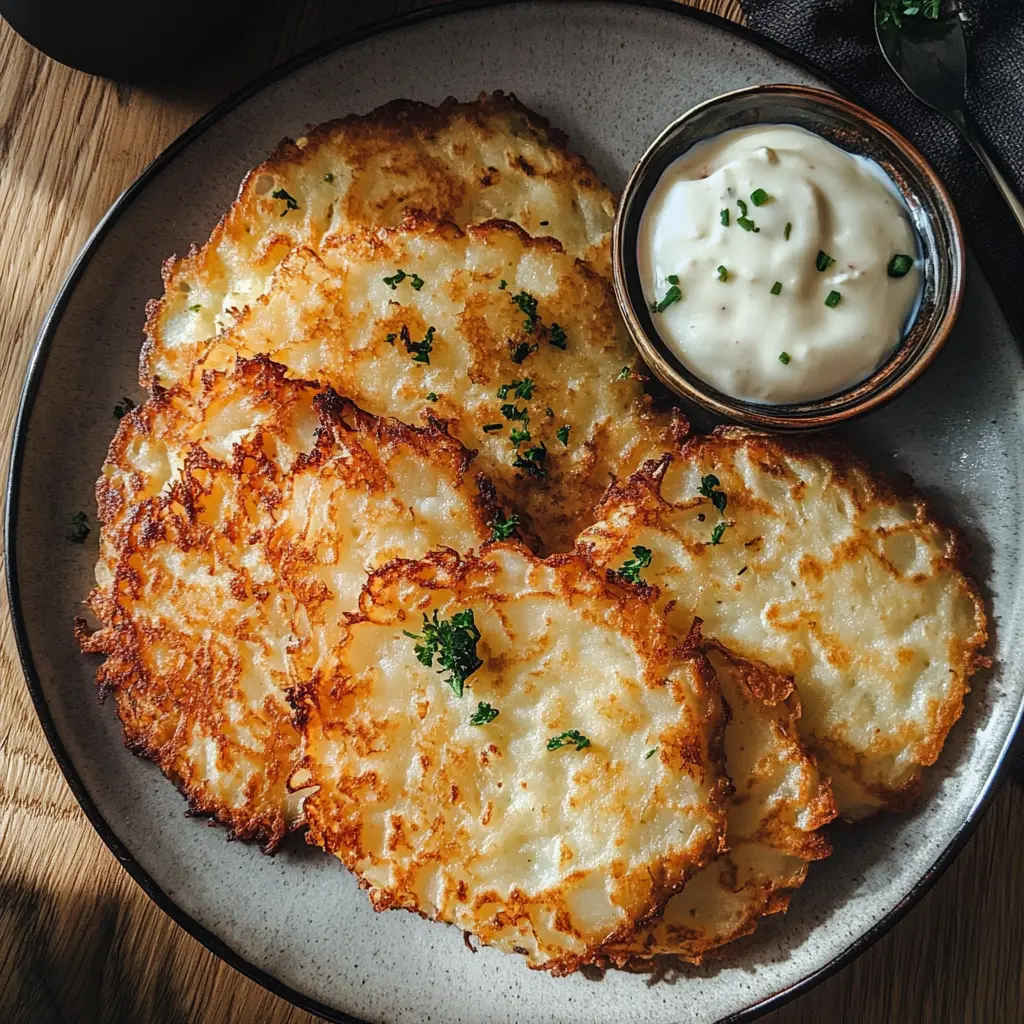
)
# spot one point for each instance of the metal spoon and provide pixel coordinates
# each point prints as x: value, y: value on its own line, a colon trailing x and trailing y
x: 929, y: 55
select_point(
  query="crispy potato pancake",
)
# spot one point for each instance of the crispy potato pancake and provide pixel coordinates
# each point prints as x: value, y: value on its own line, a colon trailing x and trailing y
x: 237, y: 528
x: 545, y: 829
x: 463, y: 162
x: 778, y: 804
x: 517, y: 345
x: 794, y: 554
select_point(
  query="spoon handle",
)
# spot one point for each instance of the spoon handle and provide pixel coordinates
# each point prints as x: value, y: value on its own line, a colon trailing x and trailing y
x: 973, y: 137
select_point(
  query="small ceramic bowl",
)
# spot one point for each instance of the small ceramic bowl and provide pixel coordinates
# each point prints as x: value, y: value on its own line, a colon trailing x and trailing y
x: 851, y: 128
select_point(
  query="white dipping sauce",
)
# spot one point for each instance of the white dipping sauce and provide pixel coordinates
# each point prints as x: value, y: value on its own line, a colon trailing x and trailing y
x: 752, y: 318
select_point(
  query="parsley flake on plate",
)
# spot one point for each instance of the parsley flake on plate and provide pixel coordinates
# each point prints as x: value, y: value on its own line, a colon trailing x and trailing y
x: 631, y: 568
x: 484, y: 713
x: 503, y: 527
x: 572, y: 737
x: 708, y: 485
x: 454, y: 642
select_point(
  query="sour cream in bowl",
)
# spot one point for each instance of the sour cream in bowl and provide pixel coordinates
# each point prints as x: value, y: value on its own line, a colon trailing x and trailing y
x: 785, y: 259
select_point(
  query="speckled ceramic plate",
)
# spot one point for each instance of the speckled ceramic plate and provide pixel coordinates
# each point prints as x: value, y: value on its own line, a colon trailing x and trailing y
x: 612, y: 75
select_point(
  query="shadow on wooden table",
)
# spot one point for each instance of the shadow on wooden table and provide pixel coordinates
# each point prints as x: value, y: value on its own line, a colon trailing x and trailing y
x: 80, y: 973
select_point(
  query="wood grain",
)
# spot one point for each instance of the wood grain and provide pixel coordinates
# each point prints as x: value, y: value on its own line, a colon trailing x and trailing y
x: 79, y: 941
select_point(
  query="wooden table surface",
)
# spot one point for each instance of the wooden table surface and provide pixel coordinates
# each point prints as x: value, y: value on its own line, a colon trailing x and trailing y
x: 79, y: 941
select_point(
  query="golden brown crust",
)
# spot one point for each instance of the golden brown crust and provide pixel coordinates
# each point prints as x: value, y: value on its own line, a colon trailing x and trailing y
x: 883, y: 519
x: 336, y: 712
x: 213, y: 592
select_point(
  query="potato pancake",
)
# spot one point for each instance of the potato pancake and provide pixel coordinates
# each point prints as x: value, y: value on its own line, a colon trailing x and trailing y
x: 778, y: 804
x: 516, y: 345
x: 463, y: 162
x: 794, y: 554
x: 517, y: 798
x: 238, y: 525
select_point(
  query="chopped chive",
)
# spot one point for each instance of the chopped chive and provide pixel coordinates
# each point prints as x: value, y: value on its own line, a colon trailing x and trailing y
x: 490, y: 428
x: 776, y: 288
x: 747, y: 224
x: 725, y: 218
x: 650, y: 753
x: 823, y: 261
x: 674, y: 294
x: 784, y: 358
x: 759, y: 197
x: 743, y: 207
x: 716, y: 533
x: 623, y: 373
x: 789, y: 228
x: 195, y: 309
x: 723, y: 274
x: 563, y: 434
x: 832, y: 299
x: 899, y: 265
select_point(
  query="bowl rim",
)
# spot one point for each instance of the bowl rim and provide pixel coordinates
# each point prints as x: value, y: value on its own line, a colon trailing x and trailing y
x: 889, y: 379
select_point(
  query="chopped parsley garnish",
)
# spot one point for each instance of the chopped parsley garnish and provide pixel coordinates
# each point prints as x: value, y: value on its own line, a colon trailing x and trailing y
x: 501, y: 527
x: 195, y: 309
x: 490, y: 428
x: 503, y: 284
x: 123, y: 407
x: 400, y: 275
x: 650, y: 753
x: 522, y: 388
x: 623, y: 373
x: 568, y: 739
x: 528, y: 307
x: 895, y: 11
x: 532, y: 460
x: 432, y: 397
x: 823, y: 261
x: 518, y: 437
x: 557, y: 337
x: 725, y: 218
x: 328, y: 177
x: 517, y: 353
x: 563, y: 434
x: 513, y: 412
x: 454, y: 642
x: 789, y: 228
x: 290, y: 202
x: 759, y: 197
x: 832, y: 299
x: 79, y: 528
x: 899, y: 265
x: 776, y: 288
x: 420, y: 350
x: 723, y: 273
x: 484, y: 713
x: 390, y: 338
x: 707, y: 487
x: 784, y: 358
x: 674, y: 294
x: 630, y: 569
x: 716, y: 533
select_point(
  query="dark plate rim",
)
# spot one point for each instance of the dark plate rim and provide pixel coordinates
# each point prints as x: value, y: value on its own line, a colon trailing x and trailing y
x: 36, y: 365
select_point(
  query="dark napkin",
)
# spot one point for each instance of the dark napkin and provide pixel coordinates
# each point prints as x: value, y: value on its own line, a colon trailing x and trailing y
x: 838, y: 36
